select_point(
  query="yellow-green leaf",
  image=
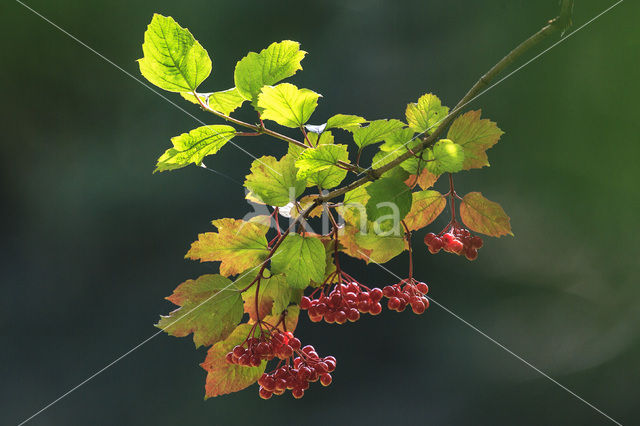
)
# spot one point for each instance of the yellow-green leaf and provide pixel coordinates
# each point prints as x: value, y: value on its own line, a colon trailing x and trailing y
x: 425, y: 208
x: 476, y: 136
x: 287, y: 105
x: 225, y: 101
x: 173, y: 60
x: 274, y: 182
x: 238, y: 244
x: 426, y: 114
x: 484, y: 216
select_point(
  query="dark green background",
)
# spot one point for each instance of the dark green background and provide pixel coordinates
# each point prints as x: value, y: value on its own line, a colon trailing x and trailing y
x: 92, y: 241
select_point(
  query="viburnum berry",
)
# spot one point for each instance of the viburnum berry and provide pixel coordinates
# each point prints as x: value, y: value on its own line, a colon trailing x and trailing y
x: 268, y: 346
x: 342, y: 302
x: 296, y: 374
x: 408, y: 292
x: 455, y: 240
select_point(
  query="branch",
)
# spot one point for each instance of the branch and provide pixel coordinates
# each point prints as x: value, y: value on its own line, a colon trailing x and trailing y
x: 558, y: 24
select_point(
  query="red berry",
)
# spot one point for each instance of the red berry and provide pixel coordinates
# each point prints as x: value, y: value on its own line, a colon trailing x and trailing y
x: 326, y: 379
x: 265, y: 394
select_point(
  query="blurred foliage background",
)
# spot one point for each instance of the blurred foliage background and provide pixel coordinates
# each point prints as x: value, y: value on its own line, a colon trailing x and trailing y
x: 92, y: 241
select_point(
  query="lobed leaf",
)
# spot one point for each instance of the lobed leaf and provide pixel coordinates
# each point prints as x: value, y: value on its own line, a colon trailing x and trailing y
x: 223, y: 377
x: 476, y: 136
x: 425, y: 208
x: 173, y: 60
x: 301, y: 259
x: 210, y: 308
x: 274, y: 182
x: 225, y: 101
x: 192, y: 147
x: 375, y: 132
x: 238, y: 245
x: 484, y: 216
x: 313, y: 160
x: 276, y: 62
x: 426, y: 114
x: 273, y: 298
x: 287, y: 105
x: 345, y: 122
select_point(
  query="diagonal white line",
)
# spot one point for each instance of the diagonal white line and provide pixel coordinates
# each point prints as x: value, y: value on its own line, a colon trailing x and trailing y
x: 115, y: 361
x: 135, y: 78
x: 501, y: 346
x: 496, y: 83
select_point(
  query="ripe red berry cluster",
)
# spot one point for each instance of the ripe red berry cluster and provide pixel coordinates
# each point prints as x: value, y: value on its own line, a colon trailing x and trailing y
x: 407, y: 292
x: 308, y: 367
x: 269, y: 346
x: 344, y: 303
x: 458, y: 240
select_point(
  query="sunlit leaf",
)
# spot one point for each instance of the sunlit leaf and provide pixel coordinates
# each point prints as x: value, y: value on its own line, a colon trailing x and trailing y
x: 238, y: 244
x: 173, y: 60
x: 426, y: 114
x: 376, y: 131
x: 225, y: 101
x: 275, y: 182
x: 275, y: 63
x: 223, y: 377
x: 287, y: 105
x: 446, y: 156
x: 345, y: 122
x: 192, y: 147
x: 301, y: 259
x: 476, y: 136
x: 425, y: 208
x: 210, y: 308
x: 322, y: 157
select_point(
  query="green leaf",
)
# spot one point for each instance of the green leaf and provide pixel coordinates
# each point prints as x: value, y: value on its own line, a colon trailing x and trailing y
x: 446, y: 156
x: 400, y: 140
x: 484, y: 216
x: 425, y: 208
x: 210, y: 308
x: 192, y: 147
x: 376, y: 131
x: 273, y: 298
x: 287, y: 105
x: 426, y: 114
x: 313, y: 160
x: 388, y: 196
x: 345, y: 122
x: 476, y: 136
x: 239, y: 245
x: 383, y: 157
x: 276, y: 62
x: 369, y: 246
x: 274, y: 182
x: 223, y: 377
x: 353, y: 208
x: 173, y: 60
x: 225, y: 101
x: 301, y: 259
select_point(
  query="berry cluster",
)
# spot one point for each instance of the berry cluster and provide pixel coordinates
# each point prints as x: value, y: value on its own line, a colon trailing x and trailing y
x: 407, y: 292
x: 269, y: 346
x: 344, y: 303
x: 308, y: 367
x: 457, y: 240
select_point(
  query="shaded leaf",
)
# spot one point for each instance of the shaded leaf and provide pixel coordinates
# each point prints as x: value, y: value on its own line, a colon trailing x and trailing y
x: 476, y: 136
x: 484, y: 216
x: 388, y: 196
x: 273, y: 297
x: 274, y: 182
x: 223, y: 377
x: 173, y: 60
x: 287, y: 105
x: 192, y: 147
x: 276, y: 62
x: 239, y: 245
x: 210, y: 308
